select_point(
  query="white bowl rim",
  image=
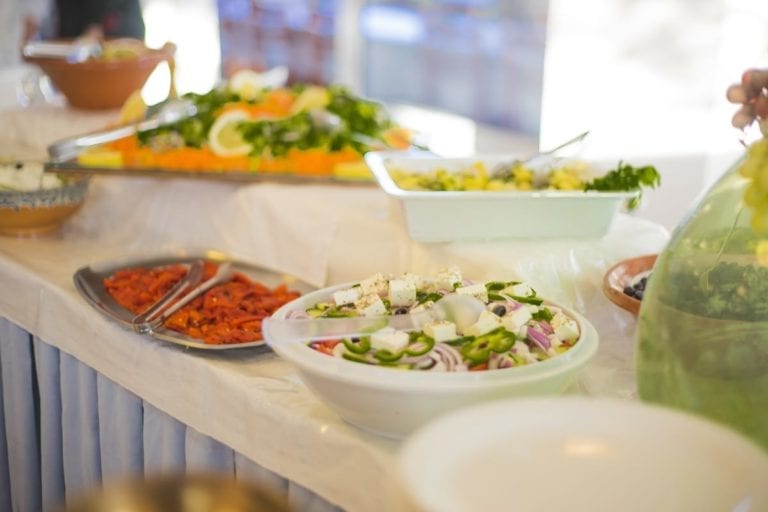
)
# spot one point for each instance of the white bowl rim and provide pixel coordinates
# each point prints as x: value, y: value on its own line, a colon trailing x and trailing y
x: 411, y: 460
x: 339, y: 369
x: 378, y: 162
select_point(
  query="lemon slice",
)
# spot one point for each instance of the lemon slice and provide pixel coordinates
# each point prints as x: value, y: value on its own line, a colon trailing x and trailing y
x: 134, y: 109
x: 312, y: 98
x: 352, y: 171
x: 97, y: 157
x: 224, y: 138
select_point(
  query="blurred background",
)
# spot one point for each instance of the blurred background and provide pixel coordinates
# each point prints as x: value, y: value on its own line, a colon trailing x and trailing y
x: 646, y: 77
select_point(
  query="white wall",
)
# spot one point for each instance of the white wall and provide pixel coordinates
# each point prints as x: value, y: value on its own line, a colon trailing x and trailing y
x: 648, y: 78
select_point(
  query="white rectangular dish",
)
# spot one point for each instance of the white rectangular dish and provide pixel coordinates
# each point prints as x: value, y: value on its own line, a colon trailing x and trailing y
x: 442, y: 216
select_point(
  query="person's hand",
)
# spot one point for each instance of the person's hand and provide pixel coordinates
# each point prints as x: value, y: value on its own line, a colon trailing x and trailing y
x: 94, y: 32
x: 30, y: 28
x: 752, y: 95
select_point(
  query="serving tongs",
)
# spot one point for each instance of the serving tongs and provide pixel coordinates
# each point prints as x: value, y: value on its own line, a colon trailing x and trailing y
x: 192, y: 278
x: 170, y: 112
x: 541, y: 157
x: 180, y: 296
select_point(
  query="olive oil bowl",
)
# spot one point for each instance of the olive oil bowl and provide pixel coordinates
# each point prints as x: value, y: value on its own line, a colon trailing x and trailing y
x: 40, y: 206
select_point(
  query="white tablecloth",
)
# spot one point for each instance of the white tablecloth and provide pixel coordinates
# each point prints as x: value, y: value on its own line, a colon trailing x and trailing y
x: 252, y: 401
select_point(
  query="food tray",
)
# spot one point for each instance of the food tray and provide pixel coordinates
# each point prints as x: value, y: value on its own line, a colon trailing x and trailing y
x: 623, y: 274
x: 244, y: 176
x: 89, y: 282
x: 487, y: 215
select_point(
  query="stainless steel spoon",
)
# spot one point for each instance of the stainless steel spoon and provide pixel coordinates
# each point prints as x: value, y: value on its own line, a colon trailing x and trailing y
x: 171, y: 111
x: 502, y: 170
x: 460, y: 309
x: 192, y: 278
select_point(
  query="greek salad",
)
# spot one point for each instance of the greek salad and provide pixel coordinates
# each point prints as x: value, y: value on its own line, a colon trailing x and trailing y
x: 512, y: 325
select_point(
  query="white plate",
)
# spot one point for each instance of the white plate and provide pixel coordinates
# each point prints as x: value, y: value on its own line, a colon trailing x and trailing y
x: 488, y: 215
x: 579, y: 454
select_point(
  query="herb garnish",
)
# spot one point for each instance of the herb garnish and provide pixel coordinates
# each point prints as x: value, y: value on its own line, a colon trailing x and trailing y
x: 626, y: 178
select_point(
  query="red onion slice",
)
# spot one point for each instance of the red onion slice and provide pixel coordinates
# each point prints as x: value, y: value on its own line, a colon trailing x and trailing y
x: 539, y: 338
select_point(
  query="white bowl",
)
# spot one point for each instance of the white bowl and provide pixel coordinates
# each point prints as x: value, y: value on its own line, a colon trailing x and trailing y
x: 579, y: 454
x: 488, y: 215
x: 34, y: 203
x: 394, y: 402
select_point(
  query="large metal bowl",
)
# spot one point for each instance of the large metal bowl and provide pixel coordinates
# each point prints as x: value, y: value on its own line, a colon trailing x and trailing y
x: 179, y: 493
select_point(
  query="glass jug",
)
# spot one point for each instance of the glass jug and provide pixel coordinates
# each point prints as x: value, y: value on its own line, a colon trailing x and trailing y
x: 703, y: 324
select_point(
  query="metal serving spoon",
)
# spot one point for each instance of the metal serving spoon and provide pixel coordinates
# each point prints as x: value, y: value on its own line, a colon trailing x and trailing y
x: 170, y: 112
x: 460, y: 309
x: 540, y: 157
x: 79, y: 50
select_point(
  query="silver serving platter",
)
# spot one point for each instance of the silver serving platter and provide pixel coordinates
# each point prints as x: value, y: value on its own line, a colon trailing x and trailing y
x: 73, y: 167
x: 89, y: 283
x: 63, y: 158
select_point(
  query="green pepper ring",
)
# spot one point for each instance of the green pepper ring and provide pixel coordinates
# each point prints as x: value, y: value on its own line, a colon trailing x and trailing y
x: 427, y: 342
x: 357, y: 348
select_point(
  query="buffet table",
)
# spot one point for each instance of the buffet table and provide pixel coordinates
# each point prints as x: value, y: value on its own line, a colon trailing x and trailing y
x: 108, y: 402
x: 84, y: 400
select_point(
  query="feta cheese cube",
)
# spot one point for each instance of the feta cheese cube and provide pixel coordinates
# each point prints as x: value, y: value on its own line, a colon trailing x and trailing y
x: 347, y: 296
x: 475, y: 290
x: 423, y: 314
x: 370, y: 305
x: 515, y: 320
x: 446, y: 278
x: 554, y: 342
x: 377, y: 284
x: 401, y: 293
x: 339, y: 350
x: 416, y: 280
x: 522, y: 350
x: 441, y: 330
x: 390, y: 339
x: 486, y: 322
x: 424, y: 306
x: 565, y: 327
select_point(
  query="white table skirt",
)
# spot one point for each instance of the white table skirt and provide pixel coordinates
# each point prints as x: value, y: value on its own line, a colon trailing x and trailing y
x: 111, y: 402
x: 252, y: 401
x: 65, y: 428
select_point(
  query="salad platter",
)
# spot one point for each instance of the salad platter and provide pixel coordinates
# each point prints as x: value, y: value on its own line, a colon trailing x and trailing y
x: 439, y: 324
x: 203, y: 301
x: 493, y: 197
x: 390, y: 352
x: 242, y: 130
x: 74, y: 167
